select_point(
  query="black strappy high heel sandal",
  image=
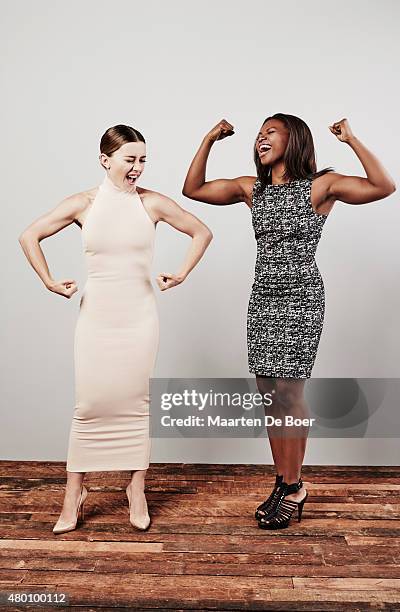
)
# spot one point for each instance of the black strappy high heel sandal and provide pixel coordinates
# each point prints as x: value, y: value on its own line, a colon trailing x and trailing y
x: 265, y: 507
x: 284, y: 508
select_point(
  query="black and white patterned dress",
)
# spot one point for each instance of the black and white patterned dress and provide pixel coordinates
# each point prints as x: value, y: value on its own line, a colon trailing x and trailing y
x: 287, y: 302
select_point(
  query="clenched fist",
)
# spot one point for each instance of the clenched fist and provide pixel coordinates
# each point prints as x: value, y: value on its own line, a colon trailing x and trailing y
x: 220, y: 131
x: 342, y: 130
x: 66, y: 287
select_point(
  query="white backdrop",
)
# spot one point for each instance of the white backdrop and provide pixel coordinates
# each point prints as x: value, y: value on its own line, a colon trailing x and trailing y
x: 172, y: 70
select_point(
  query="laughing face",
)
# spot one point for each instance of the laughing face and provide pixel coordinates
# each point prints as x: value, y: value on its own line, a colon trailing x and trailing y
x: 125, y: 165
x: 272, y: 141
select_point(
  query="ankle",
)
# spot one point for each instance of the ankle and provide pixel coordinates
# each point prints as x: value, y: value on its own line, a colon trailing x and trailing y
x: 136, y: 486
x: 298, y: 495
x: 292, y: 487
x: 73, y: 491
x: 291, y: 478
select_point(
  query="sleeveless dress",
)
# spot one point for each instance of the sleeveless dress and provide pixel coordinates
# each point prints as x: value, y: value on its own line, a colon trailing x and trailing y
x: 116, y: 336
x: 287, y: 303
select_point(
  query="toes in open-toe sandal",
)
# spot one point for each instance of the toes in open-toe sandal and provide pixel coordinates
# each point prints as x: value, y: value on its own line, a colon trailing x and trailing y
x: 267, y: 508
x: 264, y: 508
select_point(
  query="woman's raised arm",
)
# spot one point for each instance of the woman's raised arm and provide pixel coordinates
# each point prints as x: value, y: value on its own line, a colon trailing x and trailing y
x: 219, y: 191
x: 376, y: 185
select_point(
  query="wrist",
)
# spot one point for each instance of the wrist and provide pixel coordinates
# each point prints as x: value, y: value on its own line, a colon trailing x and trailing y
x: 207, y: 140
x: 352, y: 140
x: 181, y: 276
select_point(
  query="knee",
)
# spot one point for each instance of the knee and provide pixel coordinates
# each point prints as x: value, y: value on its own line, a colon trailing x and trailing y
x: 265, y: 384
x: 286, y: 394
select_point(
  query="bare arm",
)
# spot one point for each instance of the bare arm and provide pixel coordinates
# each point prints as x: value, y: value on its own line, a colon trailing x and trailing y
x: 356, y: 189
x: 48, y: 224
x: 169, y: 211
x: 219, y: 191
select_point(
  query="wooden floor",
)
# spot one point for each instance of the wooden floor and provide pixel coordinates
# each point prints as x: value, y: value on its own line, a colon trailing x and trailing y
x: 204, y: 550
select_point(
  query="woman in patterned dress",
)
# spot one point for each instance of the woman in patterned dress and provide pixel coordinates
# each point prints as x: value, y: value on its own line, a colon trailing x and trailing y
x: 289, y: 202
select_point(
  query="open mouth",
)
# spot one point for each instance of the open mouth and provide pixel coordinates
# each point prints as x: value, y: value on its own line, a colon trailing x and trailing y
x: 131, y: 178
x: 264, y: 149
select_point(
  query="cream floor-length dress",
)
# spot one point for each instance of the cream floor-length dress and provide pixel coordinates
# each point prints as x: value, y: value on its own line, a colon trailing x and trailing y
x: 116, y: 336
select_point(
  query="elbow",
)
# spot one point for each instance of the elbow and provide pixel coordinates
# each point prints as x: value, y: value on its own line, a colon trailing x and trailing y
x: 190, y: 193
x: 27, y: 237
x: 186, y: 192
x: 205, y: 235
x: 391, y: 188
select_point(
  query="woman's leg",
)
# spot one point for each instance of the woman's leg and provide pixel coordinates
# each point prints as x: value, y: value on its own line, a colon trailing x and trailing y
x: 138, y: 498
x: 266, y: 384
x: 71, y: 497
x: 288, y: 444
x: 289, y: 396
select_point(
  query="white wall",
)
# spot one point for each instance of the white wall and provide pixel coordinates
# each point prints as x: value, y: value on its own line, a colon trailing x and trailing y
x: 174, y: 69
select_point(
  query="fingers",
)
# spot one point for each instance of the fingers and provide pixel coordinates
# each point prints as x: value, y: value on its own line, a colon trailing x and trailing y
x: 335, y: 129
x: 166, y: 280
x: 224, y: 123
x: 69, y: 293
x: 162, y: 280
x: 339, y: 124
x: 226, y: 128
x: 66, y: 287
x: 69, y: 282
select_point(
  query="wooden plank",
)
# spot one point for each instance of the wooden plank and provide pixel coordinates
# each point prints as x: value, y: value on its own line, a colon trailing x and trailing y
x: 77, y: 546
x: 355, y: 540
x: 188, y: 597
x: 341, y: 597
x: 168, y: 586
x: 357, y: 584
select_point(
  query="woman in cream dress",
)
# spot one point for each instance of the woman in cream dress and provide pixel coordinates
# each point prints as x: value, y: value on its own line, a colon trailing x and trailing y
x: 117, y: 333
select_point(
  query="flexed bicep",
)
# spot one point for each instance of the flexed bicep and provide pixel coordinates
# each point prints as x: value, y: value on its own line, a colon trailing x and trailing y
x: 218, y: 191
x: 355, y: 189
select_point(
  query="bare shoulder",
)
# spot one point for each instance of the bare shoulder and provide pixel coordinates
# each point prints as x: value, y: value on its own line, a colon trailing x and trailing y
x: 149, y: 195
x: 159, y: 206
x: 80, y: 203
x: 152, y: 200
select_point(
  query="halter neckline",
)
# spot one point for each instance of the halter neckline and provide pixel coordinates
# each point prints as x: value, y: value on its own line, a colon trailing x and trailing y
x: 110, y: 186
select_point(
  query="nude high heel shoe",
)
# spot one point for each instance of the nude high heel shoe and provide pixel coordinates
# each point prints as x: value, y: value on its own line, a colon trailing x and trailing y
x: 139, y: 524
x: 61, y: 527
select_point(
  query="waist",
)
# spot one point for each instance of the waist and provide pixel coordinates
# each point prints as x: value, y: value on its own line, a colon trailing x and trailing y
x: 118, y: 275
x: 284, y: 271
x: 118, y: 284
